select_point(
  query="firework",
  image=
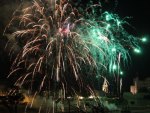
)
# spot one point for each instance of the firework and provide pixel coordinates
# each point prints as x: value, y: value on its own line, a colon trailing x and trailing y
x: 62, y: 48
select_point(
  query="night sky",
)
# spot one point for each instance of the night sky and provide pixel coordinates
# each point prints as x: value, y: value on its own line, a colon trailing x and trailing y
x: 139, y: 12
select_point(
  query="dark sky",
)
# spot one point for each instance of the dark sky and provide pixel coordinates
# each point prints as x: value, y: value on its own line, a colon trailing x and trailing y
x: 137, y: 9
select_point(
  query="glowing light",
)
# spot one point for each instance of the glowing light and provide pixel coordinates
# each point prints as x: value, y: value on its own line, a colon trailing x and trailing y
x: 69, y: 97
x: 91, y: 97
x: 121, y: 72
x: 114, y: 67
x: 136, y: 50
x: 144, y: 39
x: 80, y: 97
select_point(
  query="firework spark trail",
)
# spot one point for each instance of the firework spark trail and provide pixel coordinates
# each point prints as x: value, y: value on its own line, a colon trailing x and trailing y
x: 57, y: 44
